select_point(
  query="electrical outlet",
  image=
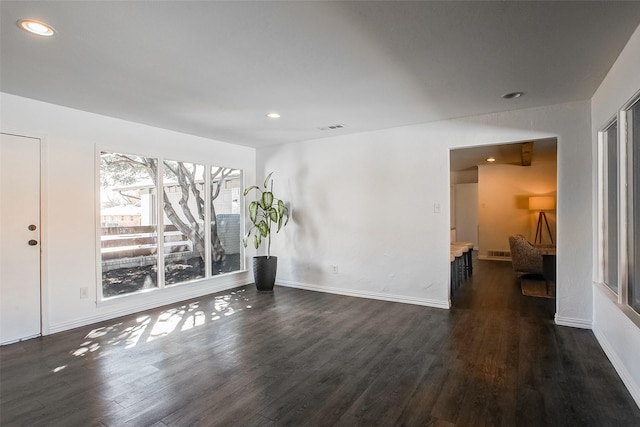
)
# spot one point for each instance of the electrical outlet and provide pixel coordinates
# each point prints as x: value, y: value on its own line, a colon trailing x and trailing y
x: 334, y: 269
x: 436, y: 207
x: 84, y: 293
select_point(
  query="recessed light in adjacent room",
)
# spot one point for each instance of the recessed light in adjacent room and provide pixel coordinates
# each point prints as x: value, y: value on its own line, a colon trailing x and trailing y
x: 491, y: 159
x: 512, y: 95
x: 36, y: 27
x: 273, y: 115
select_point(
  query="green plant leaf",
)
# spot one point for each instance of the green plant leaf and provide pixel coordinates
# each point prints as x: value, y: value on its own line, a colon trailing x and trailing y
x: 266, y: 180
x: 273, y: 214
x: 264, y: 211
x: 246, y: 191
x: 245, y: 239
x: 264, y: 228
x: 253, y: 211
x: 267, y: 200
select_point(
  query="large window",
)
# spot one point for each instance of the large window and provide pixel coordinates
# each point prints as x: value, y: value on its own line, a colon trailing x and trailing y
x: 619, y: 178
x: 166, y: 222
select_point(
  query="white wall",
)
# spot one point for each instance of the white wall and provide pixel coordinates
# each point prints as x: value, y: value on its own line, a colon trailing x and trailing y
x: 70, y: 141
x: 503, y: 193
x: 464, y: 177
x: 466, y: 213
x: 617, y: 334
x: 365, y: 202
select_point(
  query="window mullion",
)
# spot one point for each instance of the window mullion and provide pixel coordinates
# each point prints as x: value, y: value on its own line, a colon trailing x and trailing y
x: 610, y: 206
x: 160, y: 220
x: 631, y: 236
x: 623, y: 177
x: 601, y: 230
x: 207, y: 220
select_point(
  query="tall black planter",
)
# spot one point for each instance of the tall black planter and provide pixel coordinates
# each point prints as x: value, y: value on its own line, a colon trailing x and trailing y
x: 264, y: 272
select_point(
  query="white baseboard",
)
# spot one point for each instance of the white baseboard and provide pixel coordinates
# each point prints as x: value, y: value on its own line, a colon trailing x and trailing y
x: 625, y: 376
x: 152, y: 302
x: 20, y: 339
x: 366, y: 294
x: 572, y: 322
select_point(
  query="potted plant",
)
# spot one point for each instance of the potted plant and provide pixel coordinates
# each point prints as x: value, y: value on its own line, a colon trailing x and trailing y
x: 265, y: 212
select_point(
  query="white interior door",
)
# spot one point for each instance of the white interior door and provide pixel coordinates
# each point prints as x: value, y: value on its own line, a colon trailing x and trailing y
x: 19, y: 238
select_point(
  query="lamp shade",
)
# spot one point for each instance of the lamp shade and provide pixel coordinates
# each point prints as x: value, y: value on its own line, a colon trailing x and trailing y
x: 542, y: 203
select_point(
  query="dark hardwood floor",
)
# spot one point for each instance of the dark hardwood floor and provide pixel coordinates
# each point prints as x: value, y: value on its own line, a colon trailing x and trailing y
x: 302, y: 358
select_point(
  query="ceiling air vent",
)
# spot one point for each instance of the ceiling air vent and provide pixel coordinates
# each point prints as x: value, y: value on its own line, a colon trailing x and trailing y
x: 333, y: 127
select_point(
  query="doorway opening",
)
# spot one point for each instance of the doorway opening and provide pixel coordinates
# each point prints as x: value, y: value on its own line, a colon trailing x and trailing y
x: 494, y: 190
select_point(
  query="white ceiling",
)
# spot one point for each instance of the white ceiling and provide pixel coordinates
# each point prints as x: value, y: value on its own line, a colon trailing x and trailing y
x: 214, y: 69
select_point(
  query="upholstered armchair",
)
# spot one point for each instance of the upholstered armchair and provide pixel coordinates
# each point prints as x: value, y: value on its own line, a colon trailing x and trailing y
x: 525, y: 257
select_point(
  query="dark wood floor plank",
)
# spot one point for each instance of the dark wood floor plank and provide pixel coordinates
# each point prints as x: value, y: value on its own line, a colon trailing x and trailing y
x: 384, y: 399
x: 303, y: 358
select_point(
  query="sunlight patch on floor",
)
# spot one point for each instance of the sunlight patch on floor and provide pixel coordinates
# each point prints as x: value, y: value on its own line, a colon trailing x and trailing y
x: 148, y: 328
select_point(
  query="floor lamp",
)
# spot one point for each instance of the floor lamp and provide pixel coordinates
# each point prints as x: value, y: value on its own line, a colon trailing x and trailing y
x: 541, y: 204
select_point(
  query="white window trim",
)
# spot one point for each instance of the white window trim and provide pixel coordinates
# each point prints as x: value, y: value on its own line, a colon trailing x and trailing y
x: 106, y: 301
x: 625, y: 183
x: 602, y: 203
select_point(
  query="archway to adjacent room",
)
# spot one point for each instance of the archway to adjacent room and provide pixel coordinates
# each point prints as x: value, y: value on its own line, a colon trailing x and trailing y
x: 494, y: 190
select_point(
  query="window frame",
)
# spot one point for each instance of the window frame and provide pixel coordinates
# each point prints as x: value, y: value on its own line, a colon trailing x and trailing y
x: 160, y: 223
x: 626, y: 117
x: 603, y: 205
x: 626, y: 239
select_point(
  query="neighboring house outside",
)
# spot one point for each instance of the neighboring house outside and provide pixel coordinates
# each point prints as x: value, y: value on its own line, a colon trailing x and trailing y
x: 121, y: 216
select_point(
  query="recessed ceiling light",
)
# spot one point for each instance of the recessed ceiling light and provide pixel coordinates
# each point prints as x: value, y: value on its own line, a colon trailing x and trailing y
x: 273, y: 115
x: 36, y: 27
x: 512, y: 95
x: 491, y: 159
